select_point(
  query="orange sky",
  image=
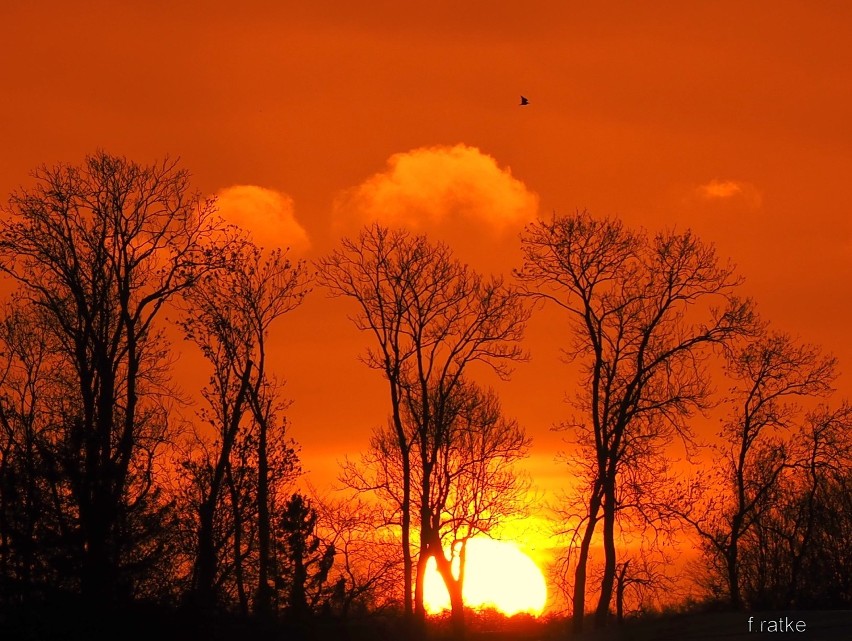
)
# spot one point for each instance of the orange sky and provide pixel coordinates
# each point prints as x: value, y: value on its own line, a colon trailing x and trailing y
x: 732, y: 118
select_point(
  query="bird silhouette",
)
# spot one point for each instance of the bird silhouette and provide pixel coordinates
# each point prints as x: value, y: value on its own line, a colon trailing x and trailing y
x: 524, y: 101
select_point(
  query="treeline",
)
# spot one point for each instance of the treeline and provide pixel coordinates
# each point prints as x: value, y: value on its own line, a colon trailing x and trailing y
x: 105, y: 491
x: 111, y: 493
x: 653, y: 317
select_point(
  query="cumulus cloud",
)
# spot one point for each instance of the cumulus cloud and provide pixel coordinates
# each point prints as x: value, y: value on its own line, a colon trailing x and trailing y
x: 434, y: 186
x: 730, y: 190
x: 267, y: 214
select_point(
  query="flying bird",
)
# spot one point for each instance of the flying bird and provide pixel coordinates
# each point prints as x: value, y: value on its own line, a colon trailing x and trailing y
x: 524, y: 101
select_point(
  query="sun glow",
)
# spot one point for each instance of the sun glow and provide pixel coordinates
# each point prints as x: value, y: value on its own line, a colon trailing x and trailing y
x: 497, y: 575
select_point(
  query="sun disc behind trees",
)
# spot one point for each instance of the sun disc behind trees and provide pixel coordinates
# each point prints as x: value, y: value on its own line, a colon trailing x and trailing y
x: 498, y: 575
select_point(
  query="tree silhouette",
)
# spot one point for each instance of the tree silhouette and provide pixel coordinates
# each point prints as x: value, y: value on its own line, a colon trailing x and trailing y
x: 805, y: 527
x: 639, y: 580
x: 32, y: 525
x: 473, y: 485
x: 770, y: 372
x: 308, y: 561
x: 368, y: 564
x: 432, y: 318
x: 642, y: 312
x: 99, y: 249
x: 228, y: 316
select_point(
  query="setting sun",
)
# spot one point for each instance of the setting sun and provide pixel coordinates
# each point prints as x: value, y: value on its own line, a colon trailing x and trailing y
x: 498, y: 575
x: 296, y: 297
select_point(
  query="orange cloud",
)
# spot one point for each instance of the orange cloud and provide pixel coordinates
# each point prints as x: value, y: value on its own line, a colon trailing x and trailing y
x: 436, y: 186
x: 730, y: 189
x: 265, y: 213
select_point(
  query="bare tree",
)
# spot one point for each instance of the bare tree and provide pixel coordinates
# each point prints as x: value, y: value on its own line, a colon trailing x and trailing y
x: 476, y: 486
x: 822, y: 452
x: 817, y: 555
x: 26, y: 476
x: 367, y: 577
x: 432, y: 318
x: 641, y: 580
x: 643, y: 311
x: 374, y: 271
x: 770, y: 373
x: 100, y: 249
x: 229, y: 314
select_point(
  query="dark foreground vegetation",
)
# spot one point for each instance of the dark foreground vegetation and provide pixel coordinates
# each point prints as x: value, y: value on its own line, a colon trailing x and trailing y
x: 127, y: 511
x: 67, y: 620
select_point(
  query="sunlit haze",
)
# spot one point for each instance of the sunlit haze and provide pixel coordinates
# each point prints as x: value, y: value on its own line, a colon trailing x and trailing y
x: 498, y: 575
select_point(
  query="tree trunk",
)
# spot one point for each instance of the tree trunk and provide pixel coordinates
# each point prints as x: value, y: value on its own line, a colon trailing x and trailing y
x: 98, y: 513
x: 579, y: 600
x: 619, y: 593
x: 205, y: 574
x: 428, y: 547
x: 405, y: 504
x: 454, y: 589
x: 602, y: 612
x: 732, y: 561
x: 298, y: 596
x: 407, y: 561
x: 263, y: 599
x: 239, y: 575
x: 97, y: 570
x: 419, y: 610
x: 205, y: 561
x: 4, y: 526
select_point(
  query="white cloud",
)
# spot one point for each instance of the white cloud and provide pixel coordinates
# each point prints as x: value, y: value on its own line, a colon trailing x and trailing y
x: 265, y: 213
x: 718, y: 190
x: 434, y: 186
